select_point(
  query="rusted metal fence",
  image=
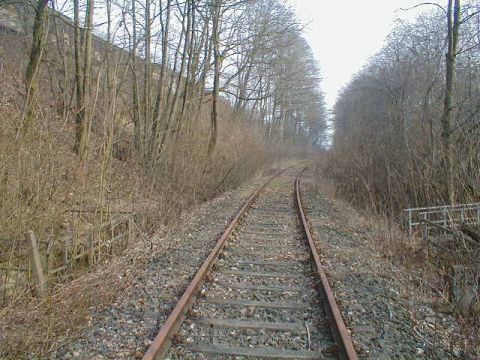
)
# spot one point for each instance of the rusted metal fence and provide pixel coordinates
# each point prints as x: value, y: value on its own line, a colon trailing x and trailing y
x: 35, y: 264
x: 440, y: 218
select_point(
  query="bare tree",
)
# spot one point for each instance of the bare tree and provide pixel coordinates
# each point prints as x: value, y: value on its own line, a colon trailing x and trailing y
x: 83, y: 51
x: 33, y: 66
x: 453, y: 25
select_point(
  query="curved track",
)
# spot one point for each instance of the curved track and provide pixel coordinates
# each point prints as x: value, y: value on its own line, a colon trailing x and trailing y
x: 261, y: 293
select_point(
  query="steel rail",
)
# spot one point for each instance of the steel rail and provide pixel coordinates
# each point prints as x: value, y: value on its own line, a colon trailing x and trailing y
x: 160, y: 345
x: 337, y: 325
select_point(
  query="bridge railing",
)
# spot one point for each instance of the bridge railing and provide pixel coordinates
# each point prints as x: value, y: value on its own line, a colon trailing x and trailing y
x: 424, y: 219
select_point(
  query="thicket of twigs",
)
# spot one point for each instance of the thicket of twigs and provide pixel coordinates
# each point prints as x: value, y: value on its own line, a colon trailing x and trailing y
x: 388, y: 147
x: 143, y: 107
x: 406, y: 135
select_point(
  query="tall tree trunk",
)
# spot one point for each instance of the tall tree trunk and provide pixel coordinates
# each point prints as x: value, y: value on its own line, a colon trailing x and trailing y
x: 191, y: 61
x: 453, y: 25
x: 83, y: 77
x: 136, y: 105
x: 207, y: 55
x: 109, y: 49
x: 79, y: 120
x: 165, y: 27
x: 63, y: 94
x: 147, y: 90
x: 36, y: 53
x: 171, y: 115
x: 188, y: 57
x: 87, y: 79
x: 216, y: 76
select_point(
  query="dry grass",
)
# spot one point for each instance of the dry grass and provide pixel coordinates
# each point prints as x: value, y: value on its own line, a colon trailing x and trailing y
x: 41, y: 177
x: 30, y: 326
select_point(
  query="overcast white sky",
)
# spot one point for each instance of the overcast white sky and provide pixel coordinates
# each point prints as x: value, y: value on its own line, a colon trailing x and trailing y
x: 345, y: 33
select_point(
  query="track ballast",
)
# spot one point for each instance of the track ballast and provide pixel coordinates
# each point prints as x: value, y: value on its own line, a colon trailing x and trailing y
x: 262, y: 296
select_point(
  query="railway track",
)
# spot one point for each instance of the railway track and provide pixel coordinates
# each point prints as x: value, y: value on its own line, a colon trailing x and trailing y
x: 261, y: 293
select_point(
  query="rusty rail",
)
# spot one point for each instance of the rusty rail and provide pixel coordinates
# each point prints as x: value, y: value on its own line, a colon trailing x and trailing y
x: 159, y: 348
x: 337, y: 325
x: 162, y: 341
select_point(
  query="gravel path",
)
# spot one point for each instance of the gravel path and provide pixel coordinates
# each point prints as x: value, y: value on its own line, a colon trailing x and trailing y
x: 389, y: 314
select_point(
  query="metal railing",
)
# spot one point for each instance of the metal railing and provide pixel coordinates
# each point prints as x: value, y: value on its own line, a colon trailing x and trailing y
x: 445, y: 216
x: 41, y: 263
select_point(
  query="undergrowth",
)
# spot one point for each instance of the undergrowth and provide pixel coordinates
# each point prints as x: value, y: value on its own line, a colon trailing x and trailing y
x: 429, y: 263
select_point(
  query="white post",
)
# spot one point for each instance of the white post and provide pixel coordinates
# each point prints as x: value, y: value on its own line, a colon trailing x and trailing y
x: 445, y: 213
x: 409, y: 222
